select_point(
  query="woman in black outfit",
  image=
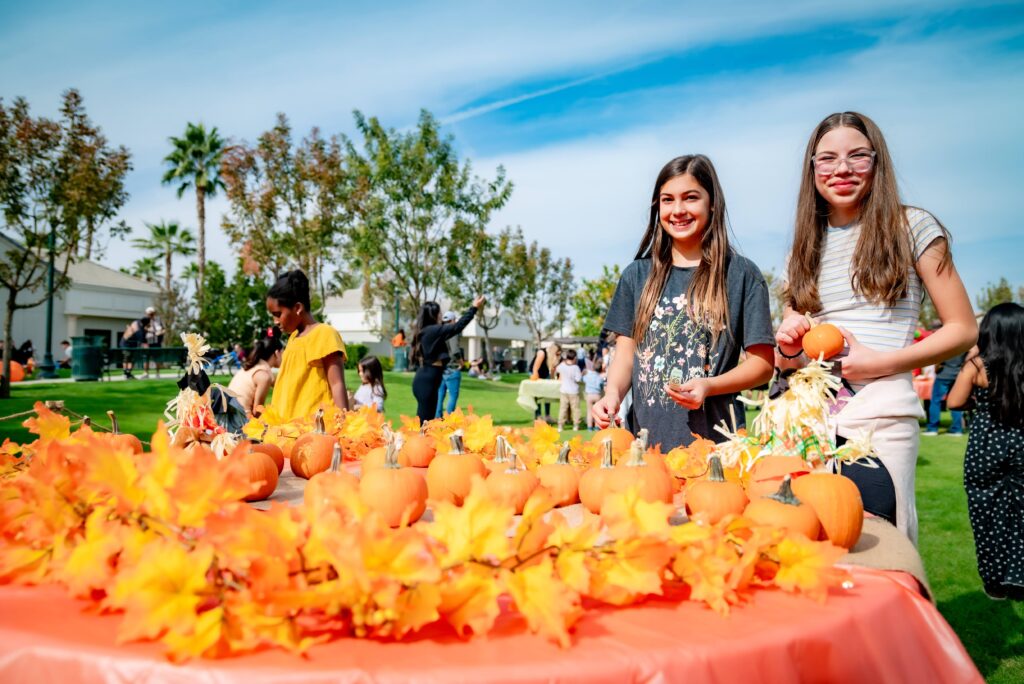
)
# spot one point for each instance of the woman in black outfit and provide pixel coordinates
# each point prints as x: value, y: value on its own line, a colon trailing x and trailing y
x: 430, y: 352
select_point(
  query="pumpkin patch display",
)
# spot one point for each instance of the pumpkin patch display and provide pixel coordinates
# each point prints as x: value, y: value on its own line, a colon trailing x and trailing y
x: 823, y: 341
x: 121, y: 439
x: 714, y: 498
x: 595, y: 482
x: 312, y: 452
x: 512, y: 486
x: 450, y: 476
x: 783, y: 509
x: 398, y: 494
x: 561, y: 478
x: 837, y: 503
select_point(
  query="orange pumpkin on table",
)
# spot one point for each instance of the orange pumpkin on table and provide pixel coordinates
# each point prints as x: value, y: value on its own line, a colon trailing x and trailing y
x: 377, y: 457
x: 450, y: 476
x: 653, y: 480
x: 561, y: 478
x: 768, y: 471
x: 837, y: 503
x: 594, y: 483
x: 512, y: 486
x: 262, y: 472
x: 330, y: 484
x: 398, y: 494
x: 823, y: 341
x: 501, y: 460
x: 121, y: 439
x: 715, y: 497
x: 418, y: 450
x: 312, y: 452
x: 621, y: 438
x: 783, y: 509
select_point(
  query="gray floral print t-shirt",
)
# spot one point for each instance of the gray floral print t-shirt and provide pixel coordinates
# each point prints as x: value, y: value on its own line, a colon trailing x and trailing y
x: 674, y: 340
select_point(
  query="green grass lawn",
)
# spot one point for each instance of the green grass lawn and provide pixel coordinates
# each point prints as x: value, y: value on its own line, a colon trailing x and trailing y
x: 992, y: 631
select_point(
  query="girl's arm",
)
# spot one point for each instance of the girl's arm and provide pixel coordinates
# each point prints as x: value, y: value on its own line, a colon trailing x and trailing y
x: 334, y: 364
x: 788, y: 339
x: 262, y: 380
x: 960, y: 394
x: 620, y: 377
x: 754, y: 371
x: 958, y: 332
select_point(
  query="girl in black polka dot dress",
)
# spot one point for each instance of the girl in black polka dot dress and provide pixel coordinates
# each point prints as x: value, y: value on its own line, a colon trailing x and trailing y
x: 994, y: 465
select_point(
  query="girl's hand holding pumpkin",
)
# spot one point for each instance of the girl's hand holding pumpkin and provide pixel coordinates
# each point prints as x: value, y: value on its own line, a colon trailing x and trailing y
x: 606, y: 411
x: 862, y: 362
x: 791, y: 332
x: 691, y: 394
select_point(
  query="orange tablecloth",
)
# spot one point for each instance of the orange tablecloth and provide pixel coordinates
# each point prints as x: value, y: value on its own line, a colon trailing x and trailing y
x: 880, y: 630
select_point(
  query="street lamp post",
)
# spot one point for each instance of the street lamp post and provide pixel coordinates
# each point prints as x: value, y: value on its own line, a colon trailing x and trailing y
x: 47, y: 369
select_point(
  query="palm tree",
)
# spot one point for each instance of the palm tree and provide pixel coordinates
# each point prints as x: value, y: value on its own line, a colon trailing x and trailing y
x: 167, y: 239
x: 195, y: 162
x: 191, y: 274
x: 146, y: 268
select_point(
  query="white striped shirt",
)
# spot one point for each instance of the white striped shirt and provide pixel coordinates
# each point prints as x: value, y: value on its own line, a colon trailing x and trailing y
x: 876, y: 325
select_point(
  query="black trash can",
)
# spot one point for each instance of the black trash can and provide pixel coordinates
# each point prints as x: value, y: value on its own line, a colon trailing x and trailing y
x: 86, y: 358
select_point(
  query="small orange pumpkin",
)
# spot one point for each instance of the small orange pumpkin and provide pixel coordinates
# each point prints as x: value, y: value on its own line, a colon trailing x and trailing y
x: 398, y: 494
x: 312, y: 451
x: 621, y: 438
x: 501, y: 461
x: 715, y: 497
x: 837, y: 503
x: 450, y: 476
x: 783, y: 509
x: 594, y: 483
x: 654, y: 482
x: 823, y: 341
x: 329, y: 485
x: 377, y: 457
x: 418, y: 450
x: 561, y: 478
x: 121, y: 439
x: 262, y: 472
x: 512, y: 486
x: 271, y: 450
x: 767, y: 474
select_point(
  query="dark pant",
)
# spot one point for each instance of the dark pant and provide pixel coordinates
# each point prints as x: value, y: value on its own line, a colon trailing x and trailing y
x: 876, y: 488
x: 424, y: 387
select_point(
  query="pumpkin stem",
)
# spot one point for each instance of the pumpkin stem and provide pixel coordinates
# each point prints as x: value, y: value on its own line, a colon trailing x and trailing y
x: 607, y: 460
x: 390, y: 455
x: 113, y: 423
x: 785, y: 494
x: 501, y: 448
x: 318, y: 423
x: 335, y: 459
x: 456, y: 442
x: 717, y: 472
x: 86, y: 421
x: 643, y: 437
x: 563, y: 454
x: 636, y: 454
x: 514, y: 468
x: 263, y: 435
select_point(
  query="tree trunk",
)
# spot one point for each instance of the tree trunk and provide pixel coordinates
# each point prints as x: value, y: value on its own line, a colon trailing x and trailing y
x: 167, y: 270
x: 90, y: 229
x: 487, y: 346
x: 5, y: 384
x: 201, y: 247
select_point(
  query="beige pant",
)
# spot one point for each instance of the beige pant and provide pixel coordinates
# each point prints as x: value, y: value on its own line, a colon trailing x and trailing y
x: 569, y: 403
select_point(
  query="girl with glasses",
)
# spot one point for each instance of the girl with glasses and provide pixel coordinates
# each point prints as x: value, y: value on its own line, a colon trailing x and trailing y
x: 861, y: 259
x: 684, y: 310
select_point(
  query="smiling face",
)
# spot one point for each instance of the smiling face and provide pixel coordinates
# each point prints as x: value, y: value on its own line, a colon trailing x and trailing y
x: 684, y: 209
x: 287, y: 318
x: 845, y: 187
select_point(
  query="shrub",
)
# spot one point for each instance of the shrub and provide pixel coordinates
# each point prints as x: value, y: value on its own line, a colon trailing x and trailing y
x: 356, y: 351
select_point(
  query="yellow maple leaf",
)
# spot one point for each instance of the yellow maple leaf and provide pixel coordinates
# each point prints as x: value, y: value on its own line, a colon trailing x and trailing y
x: 90, y: 564
x: 807, y: 566
x: 114, y: 476
x: 469, y: 599
x: 204, y: 636
x: 627, y: 514
x: 415, y: 608
x: 162, y: 591
x: 706, y: 569
x: 632, y: 568
x: 550, y: 606
x: 400, y: 555
x: 48, y: 424
x: 22, y: 563
x: 573, y: 543
x: 533, y: 531
x: 478, y: 530
x: 479, y: 435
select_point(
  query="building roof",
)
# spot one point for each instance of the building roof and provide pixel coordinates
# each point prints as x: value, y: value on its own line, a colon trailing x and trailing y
x: 97, y: 275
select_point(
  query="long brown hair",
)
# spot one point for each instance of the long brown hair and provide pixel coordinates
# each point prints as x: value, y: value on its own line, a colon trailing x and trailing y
x: 706, y: 295
x: 884, y: 252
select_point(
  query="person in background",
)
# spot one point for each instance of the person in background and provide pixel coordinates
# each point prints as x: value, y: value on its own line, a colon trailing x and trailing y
x: 65, y: 358
x: 945, y: 376
x: 542, y: 368
x: 251, y: 385
x: 399, y: 339
x: 313, y: 363
x: 569, y: 403
x: 134, y: 337
x: 430, y: 353
x: 994, y: 463
x: 371, y: 390
x: 451, y: 378
x: 593, y: 386
x: 154, y: 335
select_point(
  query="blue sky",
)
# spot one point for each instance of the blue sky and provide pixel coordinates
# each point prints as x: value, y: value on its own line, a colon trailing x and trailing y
x: 581, y: 102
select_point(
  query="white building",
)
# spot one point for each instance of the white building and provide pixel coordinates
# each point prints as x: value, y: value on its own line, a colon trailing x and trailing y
x: 375, y: 327
x: 100, y: 301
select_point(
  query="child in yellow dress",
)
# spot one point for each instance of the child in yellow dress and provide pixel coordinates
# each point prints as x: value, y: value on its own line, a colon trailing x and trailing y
x: 313, y: 365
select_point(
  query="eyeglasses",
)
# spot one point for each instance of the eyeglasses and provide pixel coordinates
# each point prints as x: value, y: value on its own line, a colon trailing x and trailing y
x: 858, y: 162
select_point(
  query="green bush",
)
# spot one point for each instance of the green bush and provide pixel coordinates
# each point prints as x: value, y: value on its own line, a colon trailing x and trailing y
x: 356, y: 351
x: 387, y: 363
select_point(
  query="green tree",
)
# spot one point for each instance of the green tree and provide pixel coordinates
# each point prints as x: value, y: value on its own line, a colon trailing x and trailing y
x: 592, y: 299
x: 287, y: 202
x: 194, y: 162
x: 167, y: 240
x: 543, y: 290
x: 146, y: 268
x: 993, y: 294
x: 483, y: 264
x: 42, y: 200
x: 236, y: 308
x: 408, y: 191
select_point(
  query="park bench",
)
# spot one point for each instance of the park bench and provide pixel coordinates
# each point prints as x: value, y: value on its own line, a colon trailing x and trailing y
x: 162, y: 357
